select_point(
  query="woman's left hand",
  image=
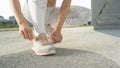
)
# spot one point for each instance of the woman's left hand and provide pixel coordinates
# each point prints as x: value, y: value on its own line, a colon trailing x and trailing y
x: 56, y: 36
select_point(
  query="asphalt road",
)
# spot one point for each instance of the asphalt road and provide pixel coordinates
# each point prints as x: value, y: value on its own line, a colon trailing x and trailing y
x: 81, y: 48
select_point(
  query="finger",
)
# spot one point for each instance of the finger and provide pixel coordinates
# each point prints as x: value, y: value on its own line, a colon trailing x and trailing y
x: 54, y: 42
x: 41, y: 37
x: 25, y: 34
x: 22, y: 34
x: 58, y: 39
x: 30, y: 35
x: 52, y: 39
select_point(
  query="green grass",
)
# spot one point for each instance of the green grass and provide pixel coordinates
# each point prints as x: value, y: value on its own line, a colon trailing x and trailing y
x: 9, y: 29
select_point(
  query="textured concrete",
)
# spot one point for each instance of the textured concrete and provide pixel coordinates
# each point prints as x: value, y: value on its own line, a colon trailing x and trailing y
x: 77, y: 16
x: 106, y: 14
x: 81, y: 48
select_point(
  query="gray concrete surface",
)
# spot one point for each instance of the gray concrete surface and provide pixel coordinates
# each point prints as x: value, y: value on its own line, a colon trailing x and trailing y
x: 105, y: 14
x: 82, y: 47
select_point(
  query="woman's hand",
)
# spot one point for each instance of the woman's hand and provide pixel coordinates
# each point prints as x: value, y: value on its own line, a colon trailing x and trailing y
x: 56, y: 36
x: 25, y: 31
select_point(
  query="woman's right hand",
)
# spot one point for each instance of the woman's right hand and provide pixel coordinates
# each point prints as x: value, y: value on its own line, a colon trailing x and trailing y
x: 25, y: 31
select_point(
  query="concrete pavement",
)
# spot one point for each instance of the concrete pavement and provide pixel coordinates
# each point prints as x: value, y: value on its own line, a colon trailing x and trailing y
x: 82, y: 47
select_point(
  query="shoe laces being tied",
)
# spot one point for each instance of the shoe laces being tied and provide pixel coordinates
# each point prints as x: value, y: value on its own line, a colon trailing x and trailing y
x: 40, y: 3
x: 41, y: 36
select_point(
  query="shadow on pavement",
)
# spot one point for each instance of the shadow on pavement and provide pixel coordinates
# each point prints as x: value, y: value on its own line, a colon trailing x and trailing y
x: 65, y: 58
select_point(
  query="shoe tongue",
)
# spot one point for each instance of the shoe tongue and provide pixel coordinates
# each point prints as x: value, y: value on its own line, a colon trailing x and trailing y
x: 42, y: 34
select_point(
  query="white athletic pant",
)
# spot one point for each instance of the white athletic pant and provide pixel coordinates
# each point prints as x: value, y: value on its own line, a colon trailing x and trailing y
x: 35, y: 11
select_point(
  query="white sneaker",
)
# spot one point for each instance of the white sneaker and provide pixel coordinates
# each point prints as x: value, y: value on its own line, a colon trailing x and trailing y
x: 43, y: 49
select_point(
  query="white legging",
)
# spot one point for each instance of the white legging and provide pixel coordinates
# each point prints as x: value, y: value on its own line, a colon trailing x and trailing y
x: 36, y: 13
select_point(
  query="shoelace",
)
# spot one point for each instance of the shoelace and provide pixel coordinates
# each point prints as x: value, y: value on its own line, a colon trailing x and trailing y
x: 41, y: 36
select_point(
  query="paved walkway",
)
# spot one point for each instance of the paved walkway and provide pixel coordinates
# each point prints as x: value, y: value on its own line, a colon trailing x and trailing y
x: 81, y: 48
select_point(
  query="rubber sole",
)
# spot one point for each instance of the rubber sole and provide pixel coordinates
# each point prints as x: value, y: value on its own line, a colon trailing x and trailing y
x: 44, y: 53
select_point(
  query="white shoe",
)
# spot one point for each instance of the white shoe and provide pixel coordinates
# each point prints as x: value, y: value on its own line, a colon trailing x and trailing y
x: 43, y: 49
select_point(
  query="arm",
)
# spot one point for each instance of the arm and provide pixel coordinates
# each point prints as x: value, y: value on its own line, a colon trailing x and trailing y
x: 15, y: 5
x: 24, y: 28
x: 56, y: 35
x: 62, y: 14
x: 51, y: 3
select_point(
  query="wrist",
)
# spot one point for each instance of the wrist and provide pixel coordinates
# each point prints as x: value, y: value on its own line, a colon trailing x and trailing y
x: 23, y: 23
x: 21, y: 20
x: 59, y: 26
x: 58, y: 29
